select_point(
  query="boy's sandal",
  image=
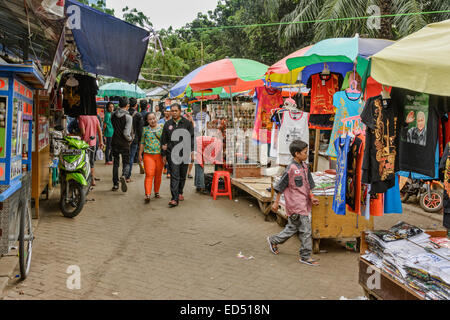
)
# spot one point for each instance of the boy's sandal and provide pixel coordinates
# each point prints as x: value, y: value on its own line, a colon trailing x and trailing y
x: 147, y: 199
x: 310, y: 262
x: 115, y: 188
x: 157, y: 196
x: 273, y: 247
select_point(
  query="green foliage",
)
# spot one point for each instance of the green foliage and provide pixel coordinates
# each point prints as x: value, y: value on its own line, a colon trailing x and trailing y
x: 100, y: 5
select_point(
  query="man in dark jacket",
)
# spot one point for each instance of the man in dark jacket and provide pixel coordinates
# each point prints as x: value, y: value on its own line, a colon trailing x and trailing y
x: 122, y: 123
x: 177, y: 144
x: 137, y: 133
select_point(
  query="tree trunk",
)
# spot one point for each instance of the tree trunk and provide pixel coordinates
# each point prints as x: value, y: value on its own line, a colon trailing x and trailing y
x: 386, y: 22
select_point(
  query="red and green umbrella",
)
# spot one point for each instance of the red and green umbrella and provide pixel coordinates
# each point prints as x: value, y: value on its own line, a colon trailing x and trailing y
x: 231, y: 75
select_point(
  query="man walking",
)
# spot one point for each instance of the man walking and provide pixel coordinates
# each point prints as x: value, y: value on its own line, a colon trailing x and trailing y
x: 108, y: 132
x: 177, y: 139
x: 122, y: 123
x: 137, y: 133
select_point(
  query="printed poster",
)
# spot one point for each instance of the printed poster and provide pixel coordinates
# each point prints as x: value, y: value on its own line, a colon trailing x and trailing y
x: 416, y: 116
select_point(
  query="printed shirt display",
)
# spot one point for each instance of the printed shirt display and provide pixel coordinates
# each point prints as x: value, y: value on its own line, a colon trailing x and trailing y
x: 267, y: 100
x: 347, y: 105
x: 419, y: 136
x: 354, y: 164
x: 294, y: 126
x: 381, y: 156
x: 392, y: 200
x: 342, y: 145
x: 323, y: 88
x: 445, y: 165
x: 151, y: 139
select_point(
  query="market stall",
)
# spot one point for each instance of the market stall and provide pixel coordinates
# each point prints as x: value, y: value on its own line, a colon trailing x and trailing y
x: 405, y: 263
x: 17, y: 84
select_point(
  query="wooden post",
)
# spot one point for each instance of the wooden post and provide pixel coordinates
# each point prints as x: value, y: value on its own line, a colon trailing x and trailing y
x: 316, y: 150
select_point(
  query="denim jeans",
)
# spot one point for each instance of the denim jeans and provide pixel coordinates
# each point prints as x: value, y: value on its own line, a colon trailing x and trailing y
x: 108, y: 152
x: 133, y: 151
x: 199, y: 177
x: 116, y: 153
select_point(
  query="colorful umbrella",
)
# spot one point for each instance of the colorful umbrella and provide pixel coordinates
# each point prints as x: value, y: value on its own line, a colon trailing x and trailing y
x: 339, y: 54
x: 231, y: 75
x: 279, y: 73
x: 121, y: 89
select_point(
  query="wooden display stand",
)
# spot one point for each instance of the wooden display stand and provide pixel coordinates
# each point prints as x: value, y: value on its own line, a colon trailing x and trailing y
x: 390, y: 288
x: 257, y: 188
x: 40, y: 158
x: 325, y: 224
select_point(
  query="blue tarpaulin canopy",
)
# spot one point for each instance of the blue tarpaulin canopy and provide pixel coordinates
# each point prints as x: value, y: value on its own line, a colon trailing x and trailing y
x: 108, y: 45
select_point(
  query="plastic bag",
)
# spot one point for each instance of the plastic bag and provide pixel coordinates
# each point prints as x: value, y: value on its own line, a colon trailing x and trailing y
x: 100, y: 155
x: 55, y: 7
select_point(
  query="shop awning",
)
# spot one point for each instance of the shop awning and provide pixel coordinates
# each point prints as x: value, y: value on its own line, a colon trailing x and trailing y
x: 108, y: 45
x: 419, y: 62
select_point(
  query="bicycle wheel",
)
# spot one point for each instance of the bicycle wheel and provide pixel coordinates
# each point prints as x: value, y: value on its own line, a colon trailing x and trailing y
x: 26, y: 238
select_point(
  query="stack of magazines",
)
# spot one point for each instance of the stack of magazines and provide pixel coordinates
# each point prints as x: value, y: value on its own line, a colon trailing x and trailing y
x: 410, y: 256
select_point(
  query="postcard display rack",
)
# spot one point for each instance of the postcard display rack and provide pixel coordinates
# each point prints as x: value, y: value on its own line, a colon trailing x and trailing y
x: 16, y: 117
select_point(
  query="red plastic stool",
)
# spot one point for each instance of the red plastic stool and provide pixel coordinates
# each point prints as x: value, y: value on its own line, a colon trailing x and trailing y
x: 215, y: 192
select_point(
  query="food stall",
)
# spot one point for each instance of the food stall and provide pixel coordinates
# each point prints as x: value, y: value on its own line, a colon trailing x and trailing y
x: 16, y: 143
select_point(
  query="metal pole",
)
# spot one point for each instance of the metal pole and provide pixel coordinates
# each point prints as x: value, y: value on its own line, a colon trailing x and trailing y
x: 234, y: 134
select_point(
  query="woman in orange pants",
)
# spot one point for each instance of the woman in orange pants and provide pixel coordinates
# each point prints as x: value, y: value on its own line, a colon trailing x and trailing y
x: 150, y: 154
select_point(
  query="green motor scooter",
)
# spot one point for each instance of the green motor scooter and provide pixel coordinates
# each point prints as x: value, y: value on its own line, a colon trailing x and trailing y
x: 75, y: 175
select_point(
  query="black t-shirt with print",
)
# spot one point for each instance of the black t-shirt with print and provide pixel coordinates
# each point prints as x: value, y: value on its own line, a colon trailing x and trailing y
x: 352, y: 170
x: 381, y: 154
x: 419, y: 137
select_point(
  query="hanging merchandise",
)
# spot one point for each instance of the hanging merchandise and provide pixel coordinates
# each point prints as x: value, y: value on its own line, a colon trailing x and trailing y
x: 267, y: 99
x: 342, y: 145
x: 445, y: 165
x: 420, y: 133
x: 392, y: 200
x: 294, y: 126
x: 444, y: 133
x: 347, y: 105
x: 323, y: 87
x: 354, y: 166
x: 381, y: 156
x: 79, y: 93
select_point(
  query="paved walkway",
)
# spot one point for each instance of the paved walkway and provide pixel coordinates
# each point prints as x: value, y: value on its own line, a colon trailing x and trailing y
x: 128, y: 250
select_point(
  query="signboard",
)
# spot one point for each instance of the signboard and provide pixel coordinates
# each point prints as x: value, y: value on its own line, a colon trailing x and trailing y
x: 3, y: 122
x: 16, y: 169
x: 2, y: 172
x: 58, y: 60
x: 4, y: 84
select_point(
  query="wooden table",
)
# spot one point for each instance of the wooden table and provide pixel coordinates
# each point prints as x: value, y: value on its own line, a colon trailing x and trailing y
x: 389, y: 288
x: 257, y: 188
x: 325, y: 224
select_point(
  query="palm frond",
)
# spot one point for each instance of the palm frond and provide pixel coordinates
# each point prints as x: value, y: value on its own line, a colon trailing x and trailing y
x: 409, y: 23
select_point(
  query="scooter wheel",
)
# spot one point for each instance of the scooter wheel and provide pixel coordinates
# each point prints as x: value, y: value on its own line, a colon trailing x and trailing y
x: 71, y: 210
x: 432, y: 203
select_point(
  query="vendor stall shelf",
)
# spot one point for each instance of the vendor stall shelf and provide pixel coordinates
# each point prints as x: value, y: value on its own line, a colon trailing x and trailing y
x: 325, y: 224
x: 16, y: 114
x: 41, y: 148
x: 388, y: 288
x: 257, y: 188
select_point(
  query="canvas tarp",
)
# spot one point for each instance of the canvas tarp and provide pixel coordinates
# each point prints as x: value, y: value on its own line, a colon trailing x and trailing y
x: 419, y: 62
x: 108, y: 45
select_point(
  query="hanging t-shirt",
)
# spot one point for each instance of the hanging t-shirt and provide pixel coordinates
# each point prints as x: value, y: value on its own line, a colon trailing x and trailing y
x: 347, y: 105
x: 445, y: 165
x: 392, y: 200
x: 381, y: 155
x: 377, y: 205
x: 80, y: 100
x: 353, y: 187
x: 419, y: 133
x: 323, y: 87
x: 342, y: 146
x: 267, y: 100
x: 294, y: 126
